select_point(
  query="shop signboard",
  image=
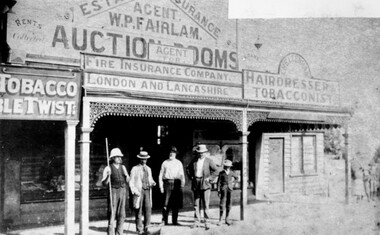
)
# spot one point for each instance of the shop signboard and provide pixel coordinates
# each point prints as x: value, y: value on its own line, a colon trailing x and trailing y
x: 171, y: 54
x: 59, y: 31
x: 159, y: 86
x: 141, y: 68
x: 38, y: 94
x: 292, y: 85
x: 120, y: 74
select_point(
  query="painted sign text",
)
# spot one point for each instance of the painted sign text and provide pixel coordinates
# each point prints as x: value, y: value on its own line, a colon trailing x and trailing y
x: 31, y: 97
x: 123, y: 83
x: 275, y: 88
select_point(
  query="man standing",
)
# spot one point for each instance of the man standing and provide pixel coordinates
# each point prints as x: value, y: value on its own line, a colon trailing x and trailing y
x: 202, y: 172
x: 118, y: 175
x: 171, y: 180
x: 140, y: 184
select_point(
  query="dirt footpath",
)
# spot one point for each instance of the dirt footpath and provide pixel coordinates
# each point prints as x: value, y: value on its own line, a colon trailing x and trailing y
x: 294, y: 218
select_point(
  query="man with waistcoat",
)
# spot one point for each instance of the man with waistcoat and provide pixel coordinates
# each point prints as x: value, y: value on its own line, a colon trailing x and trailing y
x: 117, y: 174
x: 202, y: 172
x: 171, y: 181
x: 140, y: 184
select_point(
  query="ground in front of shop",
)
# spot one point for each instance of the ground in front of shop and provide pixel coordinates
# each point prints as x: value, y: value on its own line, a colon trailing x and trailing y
x: 300, y: 215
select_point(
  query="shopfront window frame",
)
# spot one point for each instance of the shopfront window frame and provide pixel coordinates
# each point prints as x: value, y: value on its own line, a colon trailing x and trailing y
x: 302, y: 172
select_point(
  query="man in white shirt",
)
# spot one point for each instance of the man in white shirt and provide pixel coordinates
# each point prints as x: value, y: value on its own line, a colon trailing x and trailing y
x: 171, y: 180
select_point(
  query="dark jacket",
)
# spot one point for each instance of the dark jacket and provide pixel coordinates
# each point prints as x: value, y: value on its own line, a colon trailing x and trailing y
x: 210, y: 172
x: 226, y: 181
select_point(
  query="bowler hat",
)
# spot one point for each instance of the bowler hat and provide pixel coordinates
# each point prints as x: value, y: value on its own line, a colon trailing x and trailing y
x: 201, y: 148
x: 115, y: 152
x: 227, y: 163
x: 143, y: 155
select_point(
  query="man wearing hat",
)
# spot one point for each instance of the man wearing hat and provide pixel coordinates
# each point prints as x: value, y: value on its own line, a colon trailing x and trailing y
x: 117, y: 175
x: 202, y: 171
x: 171, y: 180
x: 140, y: 184
x: 225, y: 184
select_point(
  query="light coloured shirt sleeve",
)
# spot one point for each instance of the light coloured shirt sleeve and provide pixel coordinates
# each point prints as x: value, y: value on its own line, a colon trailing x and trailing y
x: 105, y: 173
x: 126, y: 173
x: 182, y: 174
x: 160, y: 176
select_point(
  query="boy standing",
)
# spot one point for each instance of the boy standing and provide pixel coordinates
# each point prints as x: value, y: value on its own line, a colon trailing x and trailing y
x: 226, y: 181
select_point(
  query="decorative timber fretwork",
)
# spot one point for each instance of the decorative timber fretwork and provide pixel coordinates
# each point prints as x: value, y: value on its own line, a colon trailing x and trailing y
x: 101, y: 109
x: 253, y: 117
x: 337, y: 120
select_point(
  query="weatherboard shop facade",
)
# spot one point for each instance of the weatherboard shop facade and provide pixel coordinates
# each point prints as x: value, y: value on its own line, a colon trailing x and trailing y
x: 162, y: 74
x: 39, y: 112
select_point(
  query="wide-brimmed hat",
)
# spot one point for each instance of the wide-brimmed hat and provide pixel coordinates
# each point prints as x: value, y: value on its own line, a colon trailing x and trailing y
x: 143, y: 155
x: 227, y: 163
x: 201, y: 148
x: 116, y: 152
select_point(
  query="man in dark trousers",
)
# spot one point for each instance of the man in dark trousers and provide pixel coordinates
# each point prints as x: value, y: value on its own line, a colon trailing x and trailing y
x: 118, y: 175
x: 171, y: 180
x: 202, y: 172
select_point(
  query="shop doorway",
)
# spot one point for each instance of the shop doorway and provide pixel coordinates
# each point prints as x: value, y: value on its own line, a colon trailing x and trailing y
x: 156, y: 135
x: 272, y: 150
x: 276, y: 165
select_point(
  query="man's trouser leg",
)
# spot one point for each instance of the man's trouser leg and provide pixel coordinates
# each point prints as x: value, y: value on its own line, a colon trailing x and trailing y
x: 120, y: 215
x: 206, y: 202
x: 197, y: 202
x: 175, y: 214
x: 222, y: 204
x: 175, y: 202
x: 112, y: 212
x: 228, y: 206
x: 139, y: 214
x: 147, y: 208
x: 167, y: 196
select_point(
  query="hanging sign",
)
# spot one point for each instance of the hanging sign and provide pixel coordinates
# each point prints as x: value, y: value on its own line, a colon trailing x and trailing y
x: 38, y: 95
x: 171, y: 54
x: 292, y: 85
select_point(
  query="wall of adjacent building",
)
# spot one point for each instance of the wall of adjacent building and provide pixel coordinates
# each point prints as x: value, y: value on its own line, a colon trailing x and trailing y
x: 343, y: 50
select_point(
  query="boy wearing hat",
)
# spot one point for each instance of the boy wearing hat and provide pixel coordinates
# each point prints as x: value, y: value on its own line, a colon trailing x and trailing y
x: 140, y: 184
x: 171, y: 180
x: 202, y: 173
x: 117, y: 175
x: 226, y: 181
